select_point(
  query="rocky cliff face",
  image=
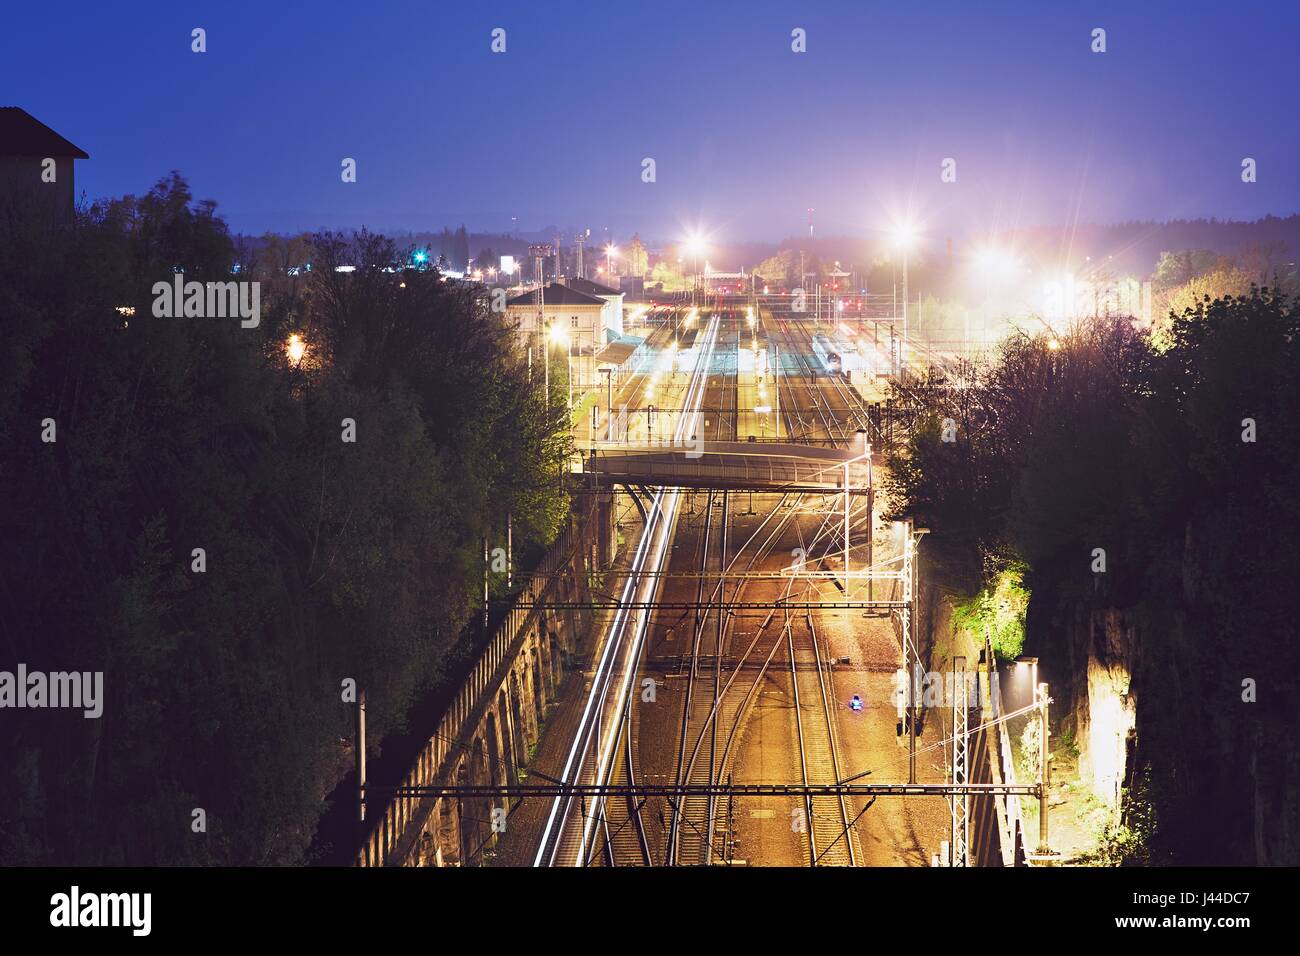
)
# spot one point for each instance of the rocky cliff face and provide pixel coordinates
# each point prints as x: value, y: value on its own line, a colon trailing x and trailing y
x: 1168, y: 689
x: 1107, y: 722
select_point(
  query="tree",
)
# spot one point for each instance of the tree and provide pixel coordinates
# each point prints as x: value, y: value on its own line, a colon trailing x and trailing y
x: 460, y: 250
x: 780, y: 269
x: 1155, y: 454
x: 203, y: 533
x: 638, y: 260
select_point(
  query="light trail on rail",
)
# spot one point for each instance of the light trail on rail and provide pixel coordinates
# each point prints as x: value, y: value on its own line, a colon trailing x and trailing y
x: 598, y: 721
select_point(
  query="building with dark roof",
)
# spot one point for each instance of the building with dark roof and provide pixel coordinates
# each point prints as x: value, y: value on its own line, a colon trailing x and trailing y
x: 36, y: 163
x: 556, y: 295
x: 613, y: 297
x: 589, y: 287
x: 575, y: 321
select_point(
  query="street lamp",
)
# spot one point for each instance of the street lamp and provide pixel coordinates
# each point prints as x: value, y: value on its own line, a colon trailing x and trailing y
x: 610, y: 251
x: 695, y: 246
x: 905, y: 236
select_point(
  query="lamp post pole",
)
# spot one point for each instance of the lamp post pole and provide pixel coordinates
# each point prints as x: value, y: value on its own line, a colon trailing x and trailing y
x: 1044, y: 769
x: 609, y: 403
x: 901, y: 347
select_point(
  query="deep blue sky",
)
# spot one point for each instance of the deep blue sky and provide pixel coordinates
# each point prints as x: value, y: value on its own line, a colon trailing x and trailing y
x: 746, y: 134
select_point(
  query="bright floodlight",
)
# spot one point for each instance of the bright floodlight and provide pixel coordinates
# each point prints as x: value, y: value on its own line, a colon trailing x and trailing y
x: 695, y: 244
x: 558, y: 335
x: 611, y: 250
x: 905, y: 235
x: 998, y: 261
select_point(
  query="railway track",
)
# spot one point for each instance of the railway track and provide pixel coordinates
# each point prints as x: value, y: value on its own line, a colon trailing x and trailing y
x: 836, y: 409
x: 695, y: 837
x: 573, y: 829
x: 723, y: 671
x: 827, y: 822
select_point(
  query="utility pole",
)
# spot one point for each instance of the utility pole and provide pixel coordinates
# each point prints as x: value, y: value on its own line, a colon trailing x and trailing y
x: 904, y: 298
x: 871, y: 521
x: 776, y: 390
x: 846, y: 534
x: 609, y: 403
x: 911, y: 648
x: 959, y: 841
x: 360, y: 752
x: 579, y: 240
x: 1044, y: 768
x: 909, y: 665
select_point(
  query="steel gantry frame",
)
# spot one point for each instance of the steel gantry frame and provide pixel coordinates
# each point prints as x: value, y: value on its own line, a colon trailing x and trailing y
x: 598, y: 790
x: 959, y: 800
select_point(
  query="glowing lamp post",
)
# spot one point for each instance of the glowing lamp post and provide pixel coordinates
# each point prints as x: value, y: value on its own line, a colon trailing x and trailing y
x: 904, y: 239
x: 695, y: 246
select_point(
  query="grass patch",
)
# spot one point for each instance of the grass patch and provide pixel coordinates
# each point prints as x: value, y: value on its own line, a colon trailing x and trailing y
x: 998, y: 611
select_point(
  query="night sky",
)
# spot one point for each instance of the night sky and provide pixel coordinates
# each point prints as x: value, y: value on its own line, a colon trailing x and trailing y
x: 745, y: 133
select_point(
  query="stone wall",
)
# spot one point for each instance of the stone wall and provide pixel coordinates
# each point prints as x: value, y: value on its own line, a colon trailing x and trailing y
x: 489, y: 731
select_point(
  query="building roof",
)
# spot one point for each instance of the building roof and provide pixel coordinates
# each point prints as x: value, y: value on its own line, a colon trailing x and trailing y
x: 22, y: 134
x: 557, y: 295
x: 616, y: 353
x: 589, y: 287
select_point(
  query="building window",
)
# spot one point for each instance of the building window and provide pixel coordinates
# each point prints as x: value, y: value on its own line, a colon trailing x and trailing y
x: 575, y: 321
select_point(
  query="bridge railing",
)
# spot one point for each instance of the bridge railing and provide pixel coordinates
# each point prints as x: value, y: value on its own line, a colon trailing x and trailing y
x: 393, y: 817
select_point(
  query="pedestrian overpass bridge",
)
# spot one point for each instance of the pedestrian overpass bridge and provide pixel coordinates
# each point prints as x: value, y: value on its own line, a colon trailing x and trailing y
x: 731, y: 465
